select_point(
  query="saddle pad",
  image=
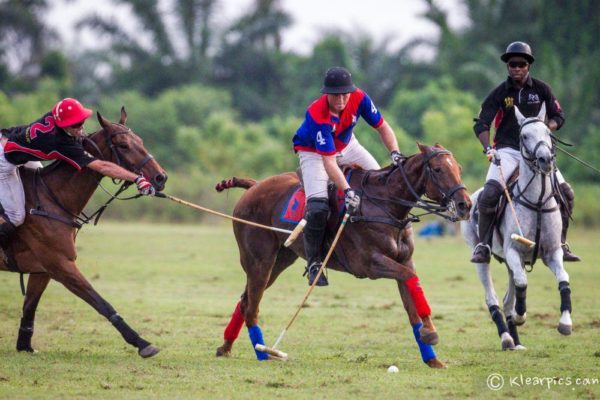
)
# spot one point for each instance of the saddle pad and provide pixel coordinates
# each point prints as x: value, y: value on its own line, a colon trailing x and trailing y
x: 293, y: 211
x: 294, y: 208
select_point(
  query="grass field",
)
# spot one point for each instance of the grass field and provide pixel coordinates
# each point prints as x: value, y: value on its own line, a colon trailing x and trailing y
x: 177, y: 286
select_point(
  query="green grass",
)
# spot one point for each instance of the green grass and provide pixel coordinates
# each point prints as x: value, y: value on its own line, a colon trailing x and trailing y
x: 177, y: 286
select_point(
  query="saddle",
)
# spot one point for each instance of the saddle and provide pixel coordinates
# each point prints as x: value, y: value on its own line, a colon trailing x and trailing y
x: 294, y: 207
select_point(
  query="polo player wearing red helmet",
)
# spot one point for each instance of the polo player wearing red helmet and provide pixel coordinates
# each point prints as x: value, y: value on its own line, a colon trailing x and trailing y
x: 55, y: 136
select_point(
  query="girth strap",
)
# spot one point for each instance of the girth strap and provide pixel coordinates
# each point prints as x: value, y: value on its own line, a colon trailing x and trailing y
x: 400, y: 224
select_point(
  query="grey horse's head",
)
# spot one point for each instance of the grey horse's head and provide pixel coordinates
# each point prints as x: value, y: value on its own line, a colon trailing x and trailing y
x: 536, y: 142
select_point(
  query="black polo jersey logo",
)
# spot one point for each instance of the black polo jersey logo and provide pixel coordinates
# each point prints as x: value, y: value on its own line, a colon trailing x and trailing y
x: 509, y: 102
x: 533, y: 98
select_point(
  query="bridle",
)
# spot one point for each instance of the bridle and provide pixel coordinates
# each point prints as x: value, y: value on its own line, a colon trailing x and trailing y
x: 444, y: 208
x: 529, y: 156
x: 78, y: 221
x: 116, y: 155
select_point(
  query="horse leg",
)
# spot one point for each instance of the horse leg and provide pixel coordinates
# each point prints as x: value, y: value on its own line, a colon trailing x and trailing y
x: 509, y: 310
x: 427, y: 352
x: 555, y: 263
x: 285, y: 258
x: 491, y: 300
x: 232, y: 330
x: 36, y: 284
x: 515, y: 263
x: 386, y: 267
x: 69, y: 275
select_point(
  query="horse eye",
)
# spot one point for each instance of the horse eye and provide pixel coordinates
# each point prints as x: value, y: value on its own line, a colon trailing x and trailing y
x: 123, y: 147
x: 437, y: 170
x: 524, y: 136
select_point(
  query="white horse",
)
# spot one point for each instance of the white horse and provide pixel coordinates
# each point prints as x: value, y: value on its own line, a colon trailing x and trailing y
x: 539, y: 218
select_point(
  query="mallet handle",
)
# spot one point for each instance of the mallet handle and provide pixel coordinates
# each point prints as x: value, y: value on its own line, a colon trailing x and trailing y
x: 208, y: 210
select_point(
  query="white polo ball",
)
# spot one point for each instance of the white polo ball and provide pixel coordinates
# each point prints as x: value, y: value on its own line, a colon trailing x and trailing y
x: 393, y: 369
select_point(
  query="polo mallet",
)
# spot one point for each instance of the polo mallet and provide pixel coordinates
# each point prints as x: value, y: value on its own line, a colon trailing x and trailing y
x: 517, y: 238
x: 295, y: 233
x: 273, y: 349
x: 208, y: 210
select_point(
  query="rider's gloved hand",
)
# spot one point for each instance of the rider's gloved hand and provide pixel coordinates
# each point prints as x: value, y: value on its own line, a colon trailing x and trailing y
x: 352, y: 200
x: 144, y: 186
x: 397, y: 157
x: 492, y: 155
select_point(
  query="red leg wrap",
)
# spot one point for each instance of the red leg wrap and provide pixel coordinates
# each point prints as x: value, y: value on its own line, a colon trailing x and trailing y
x: 418, y: 297
x: 235, y: 325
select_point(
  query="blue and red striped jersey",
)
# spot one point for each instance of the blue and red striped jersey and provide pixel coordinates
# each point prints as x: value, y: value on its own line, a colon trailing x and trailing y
x: 325, y: 134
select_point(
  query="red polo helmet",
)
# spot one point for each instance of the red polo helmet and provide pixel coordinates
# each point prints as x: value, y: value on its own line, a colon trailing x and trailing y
x: 69, y: 112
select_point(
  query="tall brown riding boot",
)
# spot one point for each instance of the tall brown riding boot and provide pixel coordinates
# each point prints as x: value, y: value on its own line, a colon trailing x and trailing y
x: 566, y: 210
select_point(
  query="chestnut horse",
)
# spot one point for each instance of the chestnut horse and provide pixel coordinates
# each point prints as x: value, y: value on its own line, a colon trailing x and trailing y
x: 376, y: 243
x: 44, y: 246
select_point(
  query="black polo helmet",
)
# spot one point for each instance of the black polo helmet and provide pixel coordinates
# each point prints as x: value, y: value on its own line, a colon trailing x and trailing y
x: 338, y: 80
x: 518, y: 49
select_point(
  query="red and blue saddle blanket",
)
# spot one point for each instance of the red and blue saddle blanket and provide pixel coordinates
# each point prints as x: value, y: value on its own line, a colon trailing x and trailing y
x: 293, y: 210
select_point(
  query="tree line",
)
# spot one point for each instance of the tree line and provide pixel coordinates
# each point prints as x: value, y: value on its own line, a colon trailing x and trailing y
x: 213, y: 100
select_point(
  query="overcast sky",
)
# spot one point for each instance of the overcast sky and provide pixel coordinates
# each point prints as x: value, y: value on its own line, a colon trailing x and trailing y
x: 398, y: 19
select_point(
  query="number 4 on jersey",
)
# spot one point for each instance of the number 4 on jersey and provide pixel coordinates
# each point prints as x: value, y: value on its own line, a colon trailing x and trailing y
x: 320, y: 138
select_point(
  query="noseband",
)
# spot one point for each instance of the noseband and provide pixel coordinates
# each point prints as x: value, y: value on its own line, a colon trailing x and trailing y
x: 529, y: 156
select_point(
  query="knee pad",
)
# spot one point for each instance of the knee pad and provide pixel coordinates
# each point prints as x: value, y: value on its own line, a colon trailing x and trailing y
x: 490, y: 196
x: 317, y: 211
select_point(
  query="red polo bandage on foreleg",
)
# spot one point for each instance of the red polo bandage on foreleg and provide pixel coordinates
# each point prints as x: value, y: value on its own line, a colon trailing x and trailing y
x: 232, y: 331
x: 418, y: 297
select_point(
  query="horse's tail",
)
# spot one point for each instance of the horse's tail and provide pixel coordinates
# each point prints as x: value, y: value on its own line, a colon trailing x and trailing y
x: 244, y: 183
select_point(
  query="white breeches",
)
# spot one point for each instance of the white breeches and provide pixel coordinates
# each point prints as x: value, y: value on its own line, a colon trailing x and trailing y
x: 509, y: 160
x: 314, y: 176
x: 12, y: 196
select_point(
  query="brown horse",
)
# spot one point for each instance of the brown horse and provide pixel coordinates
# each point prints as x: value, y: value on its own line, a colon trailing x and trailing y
x: 377, y: 243
x: 44, y: 246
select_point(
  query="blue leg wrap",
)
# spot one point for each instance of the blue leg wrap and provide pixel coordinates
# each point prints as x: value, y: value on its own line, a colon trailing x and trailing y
x: 427, y: 352
x: 256, y: 337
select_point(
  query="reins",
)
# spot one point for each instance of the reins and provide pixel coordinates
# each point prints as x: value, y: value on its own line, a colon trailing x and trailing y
x: 77, y: 221
x: 431, y: 207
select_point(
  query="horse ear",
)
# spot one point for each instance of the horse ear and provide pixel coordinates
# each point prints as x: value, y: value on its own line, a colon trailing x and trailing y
x: 123, y: 116
x: 103, y: 121
x: 520, y: 117
x: 542, y: 114
x: 422, y: 147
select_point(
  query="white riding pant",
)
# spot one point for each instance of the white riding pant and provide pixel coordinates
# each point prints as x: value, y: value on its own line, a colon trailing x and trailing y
x: 314, y: 176
x: 509, y: 161
x: 12, y: 196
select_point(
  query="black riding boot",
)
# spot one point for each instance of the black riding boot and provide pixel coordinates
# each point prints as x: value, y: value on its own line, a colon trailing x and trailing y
x: 566, y: 210
x: 317, y: 211
x: 6, y: 229
x: 487, y: 202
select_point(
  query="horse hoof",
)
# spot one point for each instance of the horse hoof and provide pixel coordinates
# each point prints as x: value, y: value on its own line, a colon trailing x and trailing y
x: 507, y: 342
x: 27, y: 349
x: 148, y: 351
x: 435, y: 363
x: 520, y: 347
x: 565, y: 329
x: 519, y: 319
x: 429, y: 337
x: 221, y: 352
